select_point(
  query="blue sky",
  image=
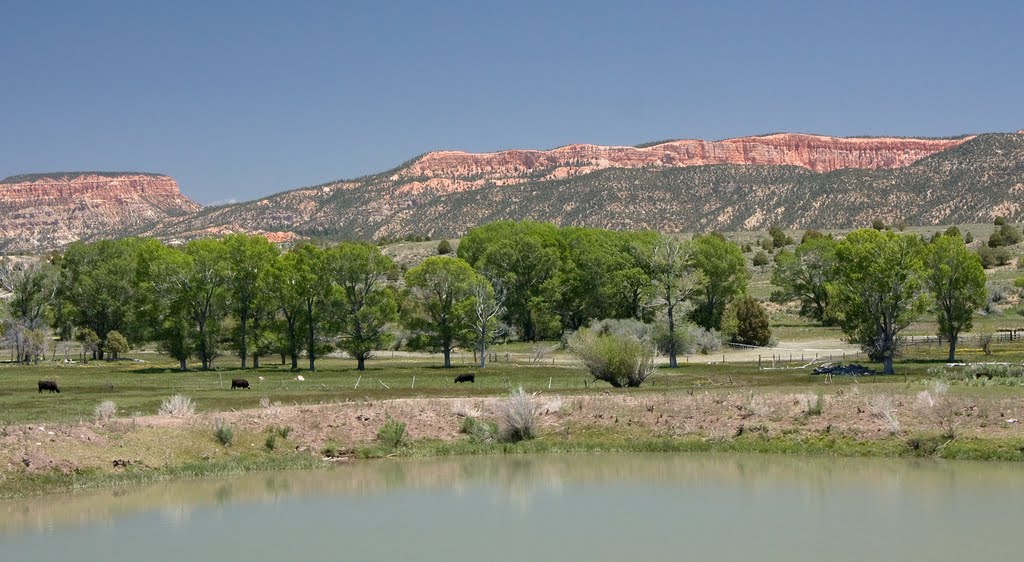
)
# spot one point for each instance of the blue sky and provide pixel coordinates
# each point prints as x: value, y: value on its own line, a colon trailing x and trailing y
x: 241, y: 99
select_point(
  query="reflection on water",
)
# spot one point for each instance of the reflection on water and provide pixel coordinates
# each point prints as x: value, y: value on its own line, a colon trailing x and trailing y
x: 599, y: 507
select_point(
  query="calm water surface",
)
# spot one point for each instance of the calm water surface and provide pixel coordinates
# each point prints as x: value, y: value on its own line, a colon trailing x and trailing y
x: 579, y: 507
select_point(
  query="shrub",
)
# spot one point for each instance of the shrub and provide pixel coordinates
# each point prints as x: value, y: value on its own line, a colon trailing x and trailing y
x: 746, y: 321
x: 271, y: 442
x: 331, y: 450
x: 991, y: 257
x: 952, y: 232
x: 883, y: 407
x: 179, y: 406
x: 969, y: 237
x: 518, y: 415
x: 761, y: 259
x: 1005, y: 235
x: 284, y: 431
x: 985, y: 342
x: 105, y: 410
x: 616, y: 358
x: 878, y: 224
x: 444, y: 247
x: 706, y: 341
x: 479, y: 431
x: 116, y: 344
x: 779, y: 238
x: 392, y: 433
x: 1019, y: 282
x: 223, y: 432
x: 815, y: 406
x: 685, y: 342
x: 999, y: 221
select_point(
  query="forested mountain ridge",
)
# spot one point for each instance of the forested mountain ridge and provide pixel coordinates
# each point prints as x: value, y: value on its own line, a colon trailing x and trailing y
x: 788, y: 180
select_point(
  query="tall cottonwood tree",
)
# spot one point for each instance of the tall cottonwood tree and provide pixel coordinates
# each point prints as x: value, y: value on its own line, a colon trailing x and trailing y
x: 803, y: 274
x: 676, y: 280
x: 878, y: 289
x: 366, y: 305
x: 248, y: 259
x: 724, y: 272
x: 441, y: 291
x: 956, y: 280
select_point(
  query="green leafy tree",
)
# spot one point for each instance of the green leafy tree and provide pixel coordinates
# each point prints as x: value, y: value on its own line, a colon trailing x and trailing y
x: 803, y: 274
x: 724, y: 272
x: 366, y: 305
x: 248, y: 258
x: 746, y: 322
x: 878, y: 289
x: 525, y: 258
x: 956, y: 280
x: 441, y: 289
x: 676, y: 280
x: 116, y: 344
x: 287, y: 283
x: 312, y: 278
x: 199, y: 285
x: 444, y: 247
x: 103, y: 284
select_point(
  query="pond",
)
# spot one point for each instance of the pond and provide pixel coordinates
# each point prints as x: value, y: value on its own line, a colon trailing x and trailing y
x: 559, y: 507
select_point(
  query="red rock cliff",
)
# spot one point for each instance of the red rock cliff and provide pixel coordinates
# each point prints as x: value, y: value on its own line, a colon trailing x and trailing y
x: 51, y: 210
x: 447, y: 171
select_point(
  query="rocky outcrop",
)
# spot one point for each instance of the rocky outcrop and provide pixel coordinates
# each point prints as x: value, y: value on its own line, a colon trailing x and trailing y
x: 788, y: 179
x: 44, y: 211
x: 749, y: 183
x: 451, y: 171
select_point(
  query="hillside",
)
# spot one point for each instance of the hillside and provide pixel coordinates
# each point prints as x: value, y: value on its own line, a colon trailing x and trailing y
x: 962, y: 180
x: 791, y: 180
x: 47, y: 211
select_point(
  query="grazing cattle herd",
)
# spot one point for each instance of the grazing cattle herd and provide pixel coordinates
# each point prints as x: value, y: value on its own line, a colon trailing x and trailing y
x: 241, y: 383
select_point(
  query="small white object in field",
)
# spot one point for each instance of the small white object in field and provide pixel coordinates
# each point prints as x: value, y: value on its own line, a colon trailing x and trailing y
x: 300, y: 378
x: 262, y: 379
x: 1011, y: 420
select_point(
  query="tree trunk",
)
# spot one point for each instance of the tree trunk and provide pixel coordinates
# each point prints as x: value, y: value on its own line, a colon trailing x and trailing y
x: 447, y: 358
x: 483, y: 353
x: 672, y: 364
x: 255, y: 361
x: 182, y: 365
x: 952, y: 348
x: 360, y: 362
x: 887, y: 365
x: 311, y: 336
x: 243, y: 351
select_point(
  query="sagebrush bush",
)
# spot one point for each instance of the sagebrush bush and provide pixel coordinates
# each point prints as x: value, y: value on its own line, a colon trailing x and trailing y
x: 271, y: 442
x: 815, y: 405
x: 479, y: 431
x: 621, y: 360
x: 518, y: 416
x: 706, y: 341
x: 392, y: 433
x: 223, y: 432
x: 179, y: 406
x: 105, y: 410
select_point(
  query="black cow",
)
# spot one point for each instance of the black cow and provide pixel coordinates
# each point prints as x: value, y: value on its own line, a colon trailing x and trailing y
x: 239, y: 383
x: 49, y: 385
x: 468, y: 377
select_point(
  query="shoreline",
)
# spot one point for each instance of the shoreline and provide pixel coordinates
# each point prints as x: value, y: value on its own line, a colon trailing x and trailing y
x: 56, y: 459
